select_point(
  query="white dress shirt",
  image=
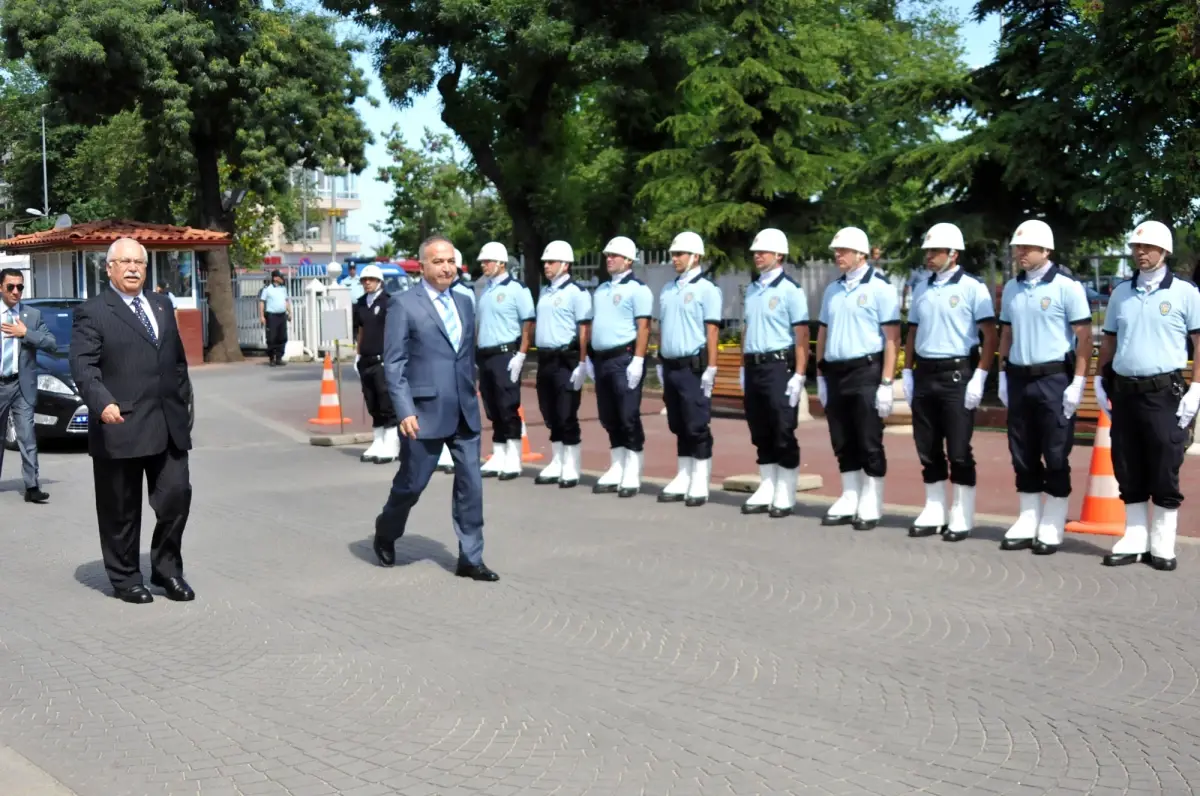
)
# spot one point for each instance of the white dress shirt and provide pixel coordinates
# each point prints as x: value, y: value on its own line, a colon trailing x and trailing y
x: 435, y: 296
x: 146, y: 307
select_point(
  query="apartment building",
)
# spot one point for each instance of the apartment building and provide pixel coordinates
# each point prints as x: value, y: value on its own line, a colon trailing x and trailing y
x: 321, y: 236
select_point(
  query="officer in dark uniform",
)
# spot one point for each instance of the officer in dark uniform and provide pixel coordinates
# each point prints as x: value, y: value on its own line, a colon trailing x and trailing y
x: 857, y: 345
x: 774, y: 359
x: 370, y: 316
x: 1045, y: 345
x: 561, y: 334
x: 1142, y: 363
x: 621, y: 310
x: 689, y: 318
x: 949, y: 310
x: 505, y: 333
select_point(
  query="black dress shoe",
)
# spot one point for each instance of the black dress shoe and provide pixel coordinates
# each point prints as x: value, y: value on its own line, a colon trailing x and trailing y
x: 567, y: 484
x: 670, y: 497
x: 1040, y: 548
x: 176, y: 588
x: 542, y: 480
x: 1120, y: 560
x: 627, y: 491
x: 847, y: 519
x: 478, y: 572
x: 138, y: 595
x: 757, y: 508
x: 385, y: 551
x: 1163, y: 564
x: 693, y: 502
x: 777, y: 513
x: 921, y: 531
x: 955, y: 536
x: 448, y: 469
x: 36, y: 495
x: 604, y: 489
x: 864, y: 525
x: 1016, y: 544
x: 507, y: 476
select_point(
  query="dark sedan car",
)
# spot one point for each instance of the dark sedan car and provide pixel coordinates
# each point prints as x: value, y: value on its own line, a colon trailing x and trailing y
x: 60, y: 412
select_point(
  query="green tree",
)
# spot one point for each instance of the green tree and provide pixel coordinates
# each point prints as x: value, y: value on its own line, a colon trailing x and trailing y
x: 789, y: 110
x: 260, y: 88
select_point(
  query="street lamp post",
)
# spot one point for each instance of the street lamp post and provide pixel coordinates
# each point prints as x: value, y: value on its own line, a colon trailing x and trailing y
x: 45, y: 178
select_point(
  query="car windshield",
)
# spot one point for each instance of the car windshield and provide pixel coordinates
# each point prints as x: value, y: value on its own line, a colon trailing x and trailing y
x: 59, y: 320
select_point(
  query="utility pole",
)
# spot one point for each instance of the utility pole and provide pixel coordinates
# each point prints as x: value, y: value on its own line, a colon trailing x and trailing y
x: 333, y: 216
x: 304, y: 208
x: 45, y: 178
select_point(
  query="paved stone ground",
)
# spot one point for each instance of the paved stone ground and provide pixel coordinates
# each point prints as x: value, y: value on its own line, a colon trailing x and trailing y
x: 631, y: 648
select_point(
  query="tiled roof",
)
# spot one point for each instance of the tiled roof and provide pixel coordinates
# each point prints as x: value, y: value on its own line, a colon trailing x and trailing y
x: 93, y: 233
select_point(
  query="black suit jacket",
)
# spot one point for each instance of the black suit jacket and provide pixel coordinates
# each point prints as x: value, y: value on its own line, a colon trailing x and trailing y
x: 115, y: 361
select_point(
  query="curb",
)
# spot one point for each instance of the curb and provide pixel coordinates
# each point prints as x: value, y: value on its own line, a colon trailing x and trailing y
x: 331, y: 440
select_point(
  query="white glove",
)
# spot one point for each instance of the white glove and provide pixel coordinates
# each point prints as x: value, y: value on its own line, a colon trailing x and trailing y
x: 1073, y: 396
x: 822, y: 391
x: 883, y: 400
x: 591, y: 371
x: 1003, y: 389
x: 708, y: 380
x: 742, y: 379
x: 1102, y: 396
x: 356, y: 358
x: 795, y: 387
x: 1188, y: 406
x: 975, y: 389
x: 514, y: 367
x: 909, y: 391
x: 577, y: 377
x: 634, y: 372
x: 658, y: 372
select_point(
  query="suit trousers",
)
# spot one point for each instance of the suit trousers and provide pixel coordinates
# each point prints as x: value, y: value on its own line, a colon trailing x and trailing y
x: 13, y: 403
x: 943, y: 426
x: 1040, y: 437
x: 118, y: 485
x: 855, y: 427
x: 501, y: 397
x: 375, y: 392
x: 558, y: 403
x: 418, y: 461
x: 619, y: 408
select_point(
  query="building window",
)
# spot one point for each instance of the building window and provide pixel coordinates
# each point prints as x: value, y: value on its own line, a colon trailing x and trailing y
x: 53, y: 274
x: 95, y: 273
x: 177, y: 270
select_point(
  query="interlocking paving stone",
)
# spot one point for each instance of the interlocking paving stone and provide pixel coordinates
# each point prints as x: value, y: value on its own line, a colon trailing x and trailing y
x: 631, y: 647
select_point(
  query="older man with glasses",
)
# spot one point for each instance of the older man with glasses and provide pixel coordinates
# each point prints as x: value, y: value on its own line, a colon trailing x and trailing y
x: 23, y: 333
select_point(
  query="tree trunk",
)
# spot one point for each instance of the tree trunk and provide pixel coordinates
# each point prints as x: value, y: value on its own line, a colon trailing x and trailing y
x: 223, y: 343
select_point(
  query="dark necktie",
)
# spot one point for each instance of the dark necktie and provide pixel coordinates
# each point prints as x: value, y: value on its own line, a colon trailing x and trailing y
x: 140, y: 311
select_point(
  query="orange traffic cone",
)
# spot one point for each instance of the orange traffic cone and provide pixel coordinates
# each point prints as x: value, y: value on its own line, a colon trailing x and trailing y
x: 1103, y: 512
x: 329, y: 410
x: 526, y: 454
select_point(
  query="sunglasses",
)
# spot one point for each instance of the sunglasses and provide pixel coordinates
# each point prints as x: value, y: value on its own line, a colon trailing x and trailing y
x: 15, y: 288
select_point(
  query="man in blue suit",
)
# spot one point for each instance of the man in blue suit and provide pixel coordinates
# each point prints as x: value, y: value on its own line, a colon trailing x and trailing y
x: 429, y: 363
x: 23, y: 333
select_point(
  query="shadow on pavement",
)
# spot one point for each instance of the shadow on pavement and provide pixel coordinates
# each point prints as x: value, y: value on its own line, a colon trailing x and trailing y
x: 410, y: 549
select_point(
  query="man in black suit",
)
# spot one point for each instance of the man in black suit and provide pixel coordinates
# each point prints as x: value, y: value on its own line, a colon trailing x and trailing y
x: 128, y: 362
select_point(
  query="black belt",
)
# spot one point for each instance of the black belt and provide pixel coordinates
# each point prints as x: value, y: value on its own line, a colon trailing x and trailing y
x: 782, y: 355
x: 1137, y: 385
x: 697, y: 361
x: 491, y: 351
x: 942, y: 365
x: 847, y: 365
x: 369, y: 359
x: 1041, y: 369
x: 610, y: 353
x: 563, y: 352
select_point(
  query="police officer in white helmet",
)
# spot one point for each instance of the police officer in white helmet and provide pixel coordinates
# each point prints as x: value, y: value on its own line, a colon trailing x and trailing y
x: 857, y: 345
x: 1045, y: 346
x: 1142, y: 367
x: 944, y: 380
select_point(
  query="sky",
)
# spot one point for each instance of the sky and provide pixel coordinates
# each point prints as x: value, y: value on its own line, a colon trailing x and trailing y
x: 978, y: 40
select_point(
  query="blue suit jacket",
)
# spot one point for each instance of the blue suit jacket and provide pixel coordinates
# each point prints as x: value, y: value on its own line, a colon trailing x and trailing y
x: 426, y: 377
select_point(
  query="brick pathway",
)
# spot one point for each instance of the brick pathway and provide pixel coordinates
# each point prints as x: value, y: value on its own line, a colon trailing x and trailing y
x: 631, y: 647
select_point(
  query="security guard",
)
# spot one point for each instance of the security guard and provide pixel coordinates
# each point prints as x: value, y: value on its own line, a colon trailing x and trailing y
x: 857, y: 343
x: 622, y: 308
x: 774, y: 359
x: 1142, y: 361
x: 505, y: 334
x: 370, y: 316
x: 564, y: 317
x: 1045, y: 345
x: 274, y: 311
x: 463, y: 286
x: 689, y: 318
x: 949, y: 312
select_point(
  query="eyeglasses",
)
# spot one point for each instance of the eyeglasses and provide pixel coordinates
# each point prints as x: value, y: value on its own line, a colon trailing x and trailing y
x: 12, y: 288
x: 126, y: 261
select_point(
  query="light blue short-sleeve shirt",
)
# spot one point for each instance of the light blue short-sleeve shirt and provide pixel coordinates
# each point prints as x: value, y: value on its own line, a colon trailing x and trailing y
x: 464, y: 289
x: 616, y: 308
x: 1041, y: 314
x: 275, y: 297
x: 773, y: 310
x: 854, y: 316
x: 947, y: 315
x: 505, y: 306
x: 560, y: 310
x: 1152, y: 326
x: 686, y: 306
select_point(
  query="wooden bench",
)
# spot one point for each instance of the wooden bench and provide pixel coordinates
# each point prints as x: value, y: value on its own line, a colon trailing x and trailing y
x: 727, y: 389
